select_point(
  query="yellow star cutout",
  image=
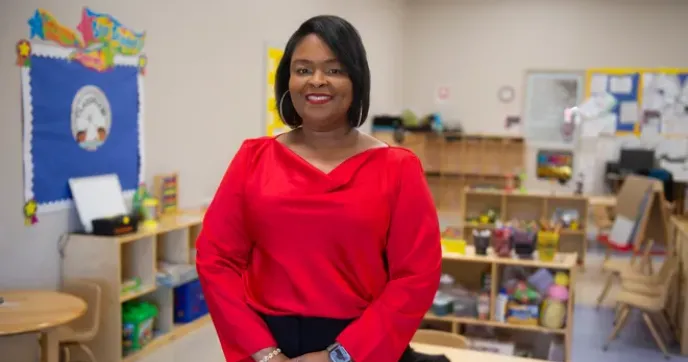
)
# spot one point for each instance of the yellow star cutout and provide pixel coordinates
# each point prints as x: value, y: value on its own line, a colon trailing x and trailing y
x: 31, y: 208
x: 24, y: 49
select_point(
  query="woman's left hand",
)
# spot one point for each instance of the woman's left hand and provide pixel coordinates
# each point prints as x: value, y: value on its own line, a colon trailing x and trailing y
x: 321, y: 356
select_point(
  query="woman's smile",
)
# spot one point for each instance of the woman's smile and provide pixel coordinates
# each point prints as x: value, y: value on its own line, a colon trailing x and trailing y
x: 318, y: 98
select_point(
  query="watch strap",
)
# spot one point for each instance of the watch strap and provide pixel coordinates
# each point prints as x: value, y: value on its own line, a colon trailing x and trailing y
x: 337, y: 353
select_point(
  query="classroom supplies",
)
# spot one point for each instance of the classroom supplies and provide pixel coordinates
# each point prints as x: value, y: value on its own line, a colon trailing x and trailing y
x: 137, y: 325
x: 97, y: 197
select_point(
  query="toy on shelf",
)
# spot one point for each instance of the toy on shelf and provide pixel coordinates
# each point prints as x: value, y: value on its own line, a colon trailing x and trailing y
x: 510, y: 182
x: 553, y: 313
x: 580, y: 179
x: 541, y: 280
x: 481, y: 240
x: 567, y: 218
x: 525, y: 294
x: 150, y: 213
x: 140, y: 195
x: 166, y: 188
x: 525, y: 314
x: 137, y: 325
x: 523, y: 305
x: 522, y: 182
x: 484, y: 306
x: 488, y: 217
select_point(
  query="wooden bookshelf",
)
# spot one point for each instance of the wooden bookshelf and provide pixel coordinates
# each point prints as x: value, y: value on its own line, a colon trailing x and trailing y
x: 453, y: 161
x: 532, y: 205
x: 468, y: 269
x: 111, y: 260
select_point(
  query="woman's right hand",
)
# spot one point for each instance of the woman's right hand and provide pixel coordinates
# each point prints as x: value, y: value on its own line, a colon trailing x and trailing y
x: 280, y: 357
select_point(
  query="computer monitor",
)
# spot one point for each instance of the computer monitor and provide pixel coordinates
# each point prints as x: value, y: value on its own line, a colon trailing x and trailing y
x: 634, y: 160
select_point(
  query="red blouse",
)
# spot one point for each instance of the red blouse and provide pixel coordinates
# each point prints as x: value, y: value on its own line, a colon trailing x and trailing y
x: 282, y: 237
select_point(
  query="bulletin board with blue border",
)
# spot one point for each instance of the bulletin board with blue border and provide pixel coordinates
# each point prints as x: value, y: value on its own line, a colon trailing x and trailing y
x: 625, y: 85
x: 82, y: 106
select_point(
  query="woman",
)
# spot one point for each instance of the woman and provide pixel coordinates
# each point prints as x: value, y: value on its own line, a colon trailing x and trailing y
x: 321, y: 244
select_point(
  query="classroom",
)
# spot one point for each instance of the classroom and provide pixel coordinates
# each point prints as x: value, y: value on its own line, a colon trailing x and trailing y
x: 548, y: 140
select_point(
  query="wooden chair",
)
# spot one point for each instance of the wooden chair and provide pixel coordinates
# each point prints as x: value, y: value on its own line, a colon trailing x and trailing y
x: 651, y: 303
x: 440, y: 338
x: 617, y: 267
x: 83, y: 329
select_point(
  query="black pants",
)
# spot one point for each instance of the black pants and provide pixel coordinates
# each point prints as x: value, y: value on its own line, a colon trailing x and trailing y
x: 297, y: 336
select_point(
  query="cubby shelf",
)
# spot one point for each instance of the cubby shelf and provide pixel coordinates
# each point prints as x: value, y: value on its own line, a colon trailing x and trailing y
x: 454, y: 160
x: 468, y: 269
x: 528, y: 206
x: 111, y: 261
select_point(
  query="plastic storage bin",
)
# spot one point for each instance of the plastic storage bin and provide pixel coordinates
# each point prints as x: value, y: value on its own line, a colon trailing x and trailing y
x: 189, y: 303
x: 137, y: 325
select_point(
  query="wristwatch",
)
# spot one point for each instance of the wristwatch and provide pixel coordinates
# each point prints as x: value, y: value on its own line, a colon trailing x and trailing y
x: 337, y: 353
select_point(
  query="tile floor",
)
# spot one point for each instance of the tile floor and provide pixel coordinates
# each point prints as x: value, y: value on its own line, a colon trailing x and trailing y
x: 591, y: 328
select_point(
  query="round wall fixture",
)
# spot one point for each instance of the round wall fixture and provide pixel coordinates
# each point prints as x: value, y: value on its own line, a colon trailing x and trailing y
x: 506, y: 94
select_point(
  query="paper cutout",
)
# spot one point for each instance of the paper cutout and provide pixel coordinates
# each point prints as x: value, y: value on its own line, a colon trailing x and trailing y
x: 99, y: 28
x: 598, y: 83
x: 98, y: 39
x: 628, y: 112
x: 143, y: 62
x: 24, y: 53
x: 45, y: 26
x: 621, y: 85
x: 273, y: 122
x: 30, y: 209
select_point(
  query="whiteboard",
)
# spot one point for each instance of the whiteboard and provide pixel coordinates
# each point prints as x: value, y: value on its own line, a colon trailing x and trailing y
x: 97, y: 197
x: 548, y: 94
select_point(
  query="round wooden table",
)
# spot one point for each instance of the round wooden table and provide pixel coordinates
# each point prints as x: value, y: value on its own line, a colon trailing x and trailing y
x: 38, y: 311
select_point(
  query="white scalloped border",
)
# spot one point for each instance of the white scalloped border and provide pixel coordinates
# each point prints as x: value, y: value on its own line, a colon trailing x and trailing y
x: 51, y: 51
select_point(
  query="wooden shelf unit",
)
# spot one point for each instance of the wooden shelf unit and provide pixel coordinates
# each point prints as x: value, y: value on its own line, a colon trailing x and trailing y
x: 468, y: 268
x: 453, y: 161
x: 528, y: 206
x: 111, y: 260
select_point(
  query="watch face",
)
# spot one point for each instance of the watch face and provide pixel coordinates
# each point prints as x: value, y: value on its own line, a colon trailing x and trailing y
x: 339, y: 354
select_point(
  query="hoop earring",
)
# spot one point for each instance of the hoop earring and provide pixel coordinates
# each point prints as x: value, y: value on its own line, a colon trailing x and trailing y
x: 280, y: 106
x: 360, y: 116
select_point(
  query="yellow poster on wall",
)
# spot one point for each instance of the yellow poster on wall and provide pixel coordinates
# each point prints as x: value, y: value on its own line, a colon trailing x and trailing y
x: 273, y: 123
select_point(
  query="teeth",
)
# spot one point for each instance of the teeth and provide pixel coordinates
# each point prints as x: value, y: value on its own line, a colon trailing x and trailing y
x: 318, y: 98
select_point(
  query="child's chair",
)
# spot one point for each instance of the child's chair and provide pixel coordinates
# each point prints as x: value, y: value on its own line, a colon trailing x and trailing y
x: 83, y: 329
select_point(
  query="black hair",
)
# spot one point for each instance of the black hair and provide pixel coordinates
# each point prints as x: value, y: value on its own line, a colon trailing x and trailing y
x: 346, y: 44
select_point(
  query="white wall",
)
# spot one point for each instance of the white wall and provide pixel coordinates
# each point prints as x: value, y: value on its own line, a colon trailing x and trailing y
x: 199, y: 107
x: 475, y: 47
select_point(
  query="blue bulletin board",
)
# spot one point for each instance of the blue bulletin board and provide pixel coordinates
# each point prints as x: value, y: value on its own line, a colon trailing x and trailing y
x: 625, y: 85
x: 82, y: 102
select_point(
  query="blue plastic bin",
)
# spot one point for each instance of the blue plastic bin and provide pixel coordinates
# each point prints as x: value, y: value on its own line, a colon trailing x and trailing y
x: 189, y: 303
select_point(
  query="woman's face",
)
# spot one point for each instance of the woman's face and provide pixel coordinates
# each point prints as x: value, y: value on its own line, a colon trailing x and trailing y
x: 320, y: 88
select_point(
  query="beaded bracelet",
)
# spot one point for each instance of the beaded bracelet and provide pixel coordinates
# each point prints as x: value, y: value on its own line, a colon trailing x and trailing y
x: 271, y: 355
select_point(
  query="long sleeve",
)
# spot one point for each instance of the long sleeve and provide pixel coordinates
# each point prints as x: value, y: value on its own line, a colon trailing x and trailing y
x: 414, y: 257
x: 223, y: 250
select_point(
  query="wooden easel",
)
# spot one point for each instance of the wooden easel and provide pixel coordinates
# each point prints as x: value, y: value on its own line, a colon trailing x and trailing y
x: 642, y: 199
